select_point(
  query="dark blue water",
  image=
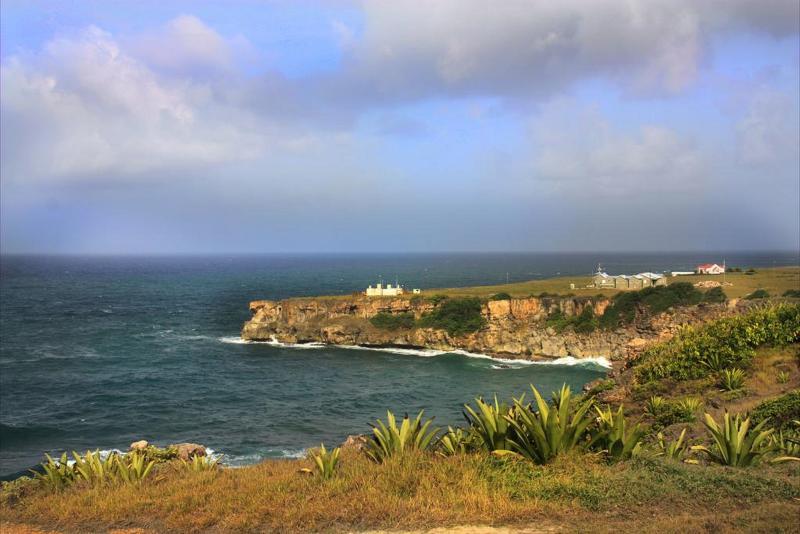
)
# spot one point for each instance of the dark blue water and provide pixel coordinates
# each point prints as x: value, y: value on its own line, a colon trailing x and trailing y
x: 97, y: 352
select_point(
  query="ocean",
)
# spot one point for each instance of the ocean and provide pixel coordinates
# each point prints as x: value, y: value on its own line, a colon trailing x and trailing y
x: 97, y: 352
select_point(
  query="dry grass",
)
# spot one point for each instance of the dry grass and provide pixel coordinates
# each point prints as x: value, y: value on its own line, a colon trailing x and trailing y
x: 774, y: 280
x: 420, y: 491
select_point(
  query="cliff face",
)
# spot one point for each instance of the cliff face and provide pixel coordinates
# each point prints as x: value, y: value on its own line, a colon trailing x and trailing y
x: 514, y: 328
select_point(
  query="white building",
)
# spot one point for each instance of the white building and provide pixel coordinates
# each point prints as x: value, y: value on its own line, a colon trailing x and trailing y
x: 384, y: 291
x: 710, y: 268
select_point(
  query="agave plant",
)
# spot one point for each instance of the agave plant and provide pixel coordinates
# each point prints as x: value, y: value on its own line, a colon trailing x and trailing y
x: 95, y: 469
x: 201, y: 463
x: 326, y: 461
x: 674, y: 450
x: 613, y: 435
x: 455, y: 441
x: 689, y: 405
x: 390, y: 440
x: 783, y: 377
x: 732, y: 379
x: 551, y: 430
x: 490, y: 423
x: 57, y: 474
x: 655, y: 405
x: 735, y: 443
x: 133, y: 467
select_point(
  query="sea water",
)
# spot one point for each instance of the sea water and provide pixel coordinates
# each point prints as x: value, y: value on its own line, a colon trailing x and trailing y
x: 97, y: 352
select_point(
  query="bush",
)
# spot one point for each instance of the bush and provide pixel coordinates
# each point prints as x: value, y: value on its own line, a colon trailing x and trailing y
x: 584, y: 323
x: 735, y: 443
x: 457, y: 316
x: 780, y: 411
x: 792, y: 293
x: 715, y: 295
x: 390, y: 321
x: 500, y: 296
x: 758, y: 294
x: 651, y: 300
x: 722, y: 344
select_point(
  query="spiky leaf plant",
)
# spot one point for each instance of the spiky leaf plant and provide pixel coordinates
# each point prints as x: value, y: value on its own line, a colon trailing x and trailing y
x: 783, y: 377
x: 732, y: 379
x: 390, y: 440
x: 133, y: 467
x: 95, y: 469
x: 326, y: 461
x: 655, y: 405
x: 674, y: 450
x: 735, y: 443
x: 490, y: 423
x: 201, y: 463
x: 614, y: 436
x: 456, y: 441
x: 57, y: 474
x: 543, y: 434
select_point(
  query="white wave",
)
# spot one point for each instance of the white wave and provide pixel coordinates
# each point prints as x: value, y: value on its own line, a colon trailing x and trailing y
x: 429, y: 353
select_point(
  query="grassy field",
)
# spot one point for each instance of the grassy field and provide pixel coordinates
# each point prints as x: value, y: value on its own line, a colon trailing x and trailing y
x: 775, y: 280
x: 424, y: 490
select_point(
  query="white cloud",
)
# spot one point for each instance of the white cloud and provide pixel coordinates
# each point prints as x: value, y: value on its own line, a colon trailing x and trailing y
x: 769, y: 132
x: 577, y: 151
x: 84, y: 107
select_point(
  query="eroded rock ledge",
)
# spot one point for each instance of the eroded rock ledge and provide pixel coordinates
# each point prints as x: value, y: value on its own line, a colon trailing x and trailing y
x: 515, y: 328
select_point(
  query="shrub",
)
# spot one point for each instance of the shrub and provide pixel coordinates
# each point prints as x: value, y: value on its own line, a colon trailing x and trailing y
x: 758, y: 294
x: 715, y: 295
x: 456, y: 441
x: 437, y: 299
x: 655, y: 405
x: 674, y: 450
x: 780, y: 411
x: 490, y: 423
x: 782, y: 377
x: 133, y: 467
x: 735, y: 443
x: 200, y: 463
x: 390, y: 440
x: 613, y: 435
x: 732, y: 379
x: 721, y: 344
x: 457, y: 316
x: 390, y: 321
x: 584, y: 323
x: 56, y: 474
x: 543, y: 434
x: 792, y: 293
x: 668, y: 413
x: 326, y: 461
x: 651, y: 300
x: 500, y: 296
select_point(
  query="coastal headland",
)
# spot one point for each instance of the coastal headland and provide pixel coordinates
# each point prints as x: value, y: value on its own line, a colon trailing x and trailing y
x: 550, y: 318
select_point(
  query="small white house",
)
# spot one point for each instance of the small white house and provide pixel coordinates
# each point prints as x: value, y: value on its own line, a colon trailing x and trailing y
x: 384, y: 291
x: 710, y: 268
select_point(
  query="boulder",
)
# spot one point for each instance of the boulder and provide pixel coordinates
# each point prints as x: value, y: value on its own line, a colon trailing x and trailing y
x: 187, y: 451
x: 355, y: 442
x: 139, y: 445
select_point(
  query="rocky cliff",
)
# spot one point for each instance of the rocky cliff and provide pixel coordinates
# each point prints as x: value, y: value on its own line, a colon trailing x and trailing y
x: 515, y: 328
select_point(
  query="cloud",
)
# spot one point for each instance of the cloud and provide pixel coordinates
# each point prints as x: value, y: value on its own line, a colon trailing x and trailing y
x: 529, y: 49
x: 84, y: 106
x: 769, y: 132
x: 578, y: 151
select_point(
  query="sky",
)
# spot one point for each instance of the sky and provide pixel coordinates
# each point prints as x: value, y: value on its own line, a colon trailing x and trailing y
x: 172, y: 127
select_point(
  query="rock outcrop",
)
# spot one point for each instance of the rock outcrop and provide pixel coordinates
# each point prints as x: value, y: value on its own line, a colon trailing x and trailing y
x: 515, y: 328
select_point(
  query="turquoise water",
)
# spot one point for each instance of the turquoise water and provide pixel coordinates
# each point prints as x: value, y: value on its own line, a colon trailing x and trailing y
x: 99, y: 352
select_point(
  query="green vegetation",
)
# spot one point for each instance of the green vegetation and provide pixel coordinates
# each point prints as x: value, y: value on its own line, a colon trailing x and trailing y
x: 780, y: 411
x: 758, y: 294
x: 792, y: 293
x: 458, y: 316
x: 666, y: 413
x: 732, y: 379
x: 549, y: 431
x: 490, y: 424
x: 674, y: 450
x: 198, y: 464
x: 715, y: 295
x: 650, y: 300
x: 500, y: 296
x: 390, y: 440
x: 782, y: 377
x: 93, y: 469
x: 583, y: 323
x: 614, y: 437
x: 735, y: 443
x: 392, y: 321
x: 722, y: 344
x: 326, y: 461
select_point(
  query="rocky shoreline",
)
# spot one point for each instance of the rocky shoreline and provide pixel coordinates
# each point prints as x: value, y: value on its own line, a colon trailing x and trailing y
x: 514, y: 328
